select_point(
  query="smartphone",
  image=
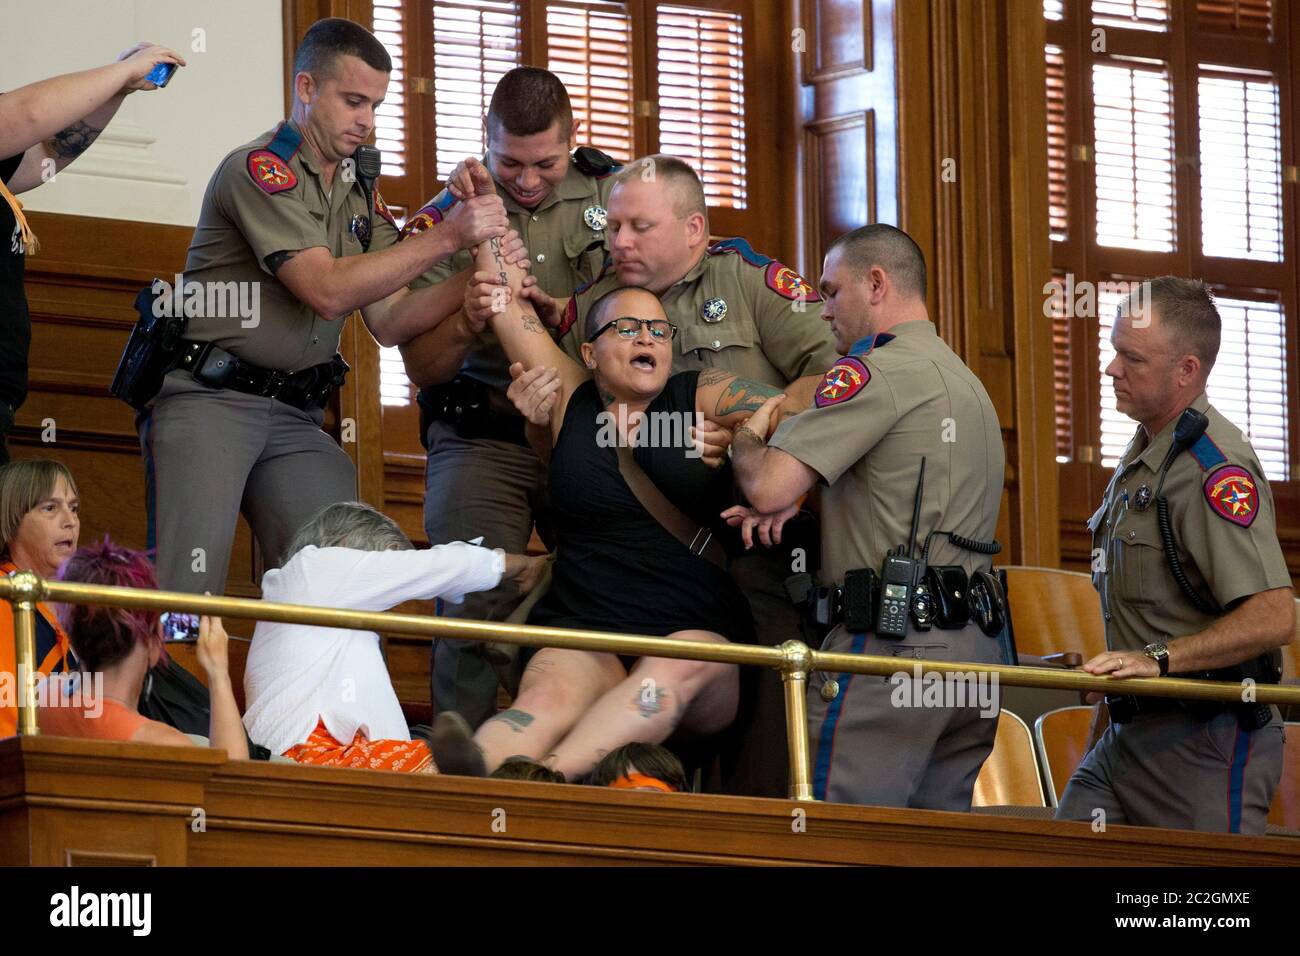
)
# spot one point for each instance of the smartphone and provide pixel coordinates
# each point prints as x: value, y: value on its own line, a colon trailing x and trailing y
x: 180, y: 627
x: 161, y: 74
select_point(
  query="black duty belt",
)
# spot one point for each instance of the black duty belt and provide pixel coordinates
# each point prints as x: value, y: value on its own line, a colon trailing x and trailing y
x: 465, y: 405
x: 307, y: 389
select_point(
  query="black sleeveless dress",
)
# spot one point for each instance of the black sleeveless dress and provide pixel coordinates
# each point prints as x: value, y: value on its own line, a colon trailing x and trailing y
x: 616, y: 567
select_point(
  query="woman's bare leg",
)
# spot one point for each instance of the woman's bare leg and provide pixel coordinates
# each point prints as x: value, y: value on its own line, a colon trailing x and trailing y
x: 659, y: 695
x: 558, y: 687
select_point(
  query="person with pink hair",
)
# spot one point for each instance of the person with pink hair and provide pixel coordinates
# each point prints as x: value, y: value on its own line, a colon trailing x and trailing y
x: 122, y: 644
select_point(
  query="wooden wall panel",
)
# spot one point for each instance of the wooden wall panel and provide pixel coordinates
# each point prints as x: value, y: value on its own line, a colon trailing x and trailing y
x: 839, y: 161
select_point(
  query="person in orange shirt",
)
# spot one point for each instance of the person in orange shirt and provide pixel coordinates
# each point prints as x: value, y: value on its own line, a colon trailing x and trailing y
x: 122, y: 644
x: 39, y: 528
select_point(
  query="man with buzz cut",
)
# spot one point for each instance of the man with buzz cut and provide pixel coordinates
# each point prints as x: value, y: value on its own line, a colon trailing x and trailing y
x: 292, y: 216
x: 482, y: 478
x: 738, y: 312
x: 1193, y: 584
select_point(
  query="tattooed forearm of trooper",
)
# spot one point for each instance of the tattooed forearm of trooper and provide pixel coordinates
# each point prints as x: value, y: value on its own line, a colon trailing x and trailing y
x: 74, y: 140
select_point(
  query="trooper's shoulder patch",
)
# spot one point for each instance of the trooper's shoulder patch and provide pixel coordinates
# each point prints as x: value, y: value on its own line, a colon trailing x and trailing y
x: 846, y: 378
x: 271, y: 173
x: 789, y: 284
x: 381, y: 207
x: 429, y: 214
x: 1232, y: 494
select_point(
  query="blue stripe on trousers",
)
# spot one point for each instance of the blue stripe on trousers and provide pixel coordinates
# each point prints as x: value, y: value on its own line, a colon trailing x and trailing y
x: 826, y: 738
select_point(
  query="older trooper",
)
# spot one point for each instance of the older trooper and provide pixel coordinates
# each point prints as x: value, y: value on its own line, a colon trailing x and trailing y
x: 739, y: 312
x: 236, y: 424
x: 898, y: 396
x: 481, y: 477
x: 1162, y: 761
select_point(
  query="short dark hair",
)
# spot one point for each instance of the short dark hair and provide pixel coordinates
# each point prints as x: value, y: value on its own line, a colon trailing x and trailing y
x: 890, y: 248
x: 650, y: 759
x: 521, y: 768
x: 1186, y: 308
x: 600, y: 308
x: 327, y: 40
x: 530, y: 100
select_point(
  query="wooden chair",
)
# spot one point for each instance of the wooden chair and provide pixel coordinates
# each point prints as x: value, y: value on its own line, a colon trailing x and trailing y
x: 1010, y: 776
x: 1054, y: 611
x: 1285, y: 810
x: 1061, y: 738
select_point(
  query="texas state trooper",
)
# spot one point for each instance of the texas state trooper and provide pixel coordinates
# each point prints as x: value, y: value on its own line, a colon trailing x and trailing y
x: 899, y: 396
x: 235, y: 422
x: 481, y: 476
x: 744, y: 313
x: 1161, y: 761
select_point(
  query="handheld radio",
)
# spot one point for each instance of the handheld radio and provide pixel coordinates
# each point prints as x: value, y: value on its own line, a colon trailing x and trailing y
x: 898, y: 577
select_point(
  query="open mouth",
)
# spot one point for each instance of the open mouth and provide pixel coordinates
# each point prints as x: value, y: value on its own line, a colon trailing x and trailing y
x: 526, y: 197
x: 643, y: 361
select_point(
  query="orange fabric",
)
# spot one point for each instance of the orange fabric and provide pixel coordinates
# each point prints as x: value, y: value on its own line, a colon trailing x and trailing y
x: 637, y: 781
x: 9, y: 653
x: 117, y: 722
x: 322, y: 750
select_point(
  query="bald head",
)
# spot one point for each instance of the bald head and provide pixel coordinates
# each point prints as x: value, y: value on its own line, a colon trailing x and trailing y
x: 626, y: 300
x: 891, y: 249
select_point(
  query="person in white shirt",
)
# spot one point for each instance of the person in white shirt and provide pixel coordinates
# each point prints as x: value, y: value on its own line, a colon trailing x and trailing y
x: 322, y: 695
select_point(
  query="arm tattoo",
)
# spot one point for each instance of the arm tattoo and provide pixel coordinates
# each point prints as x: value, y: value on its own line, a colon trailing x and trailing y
x: 530, y: 321
x: 516, y: 720
x: 74, y: 140
x: 711, y: 376
x: 276, y: 259
x: 743, y: 395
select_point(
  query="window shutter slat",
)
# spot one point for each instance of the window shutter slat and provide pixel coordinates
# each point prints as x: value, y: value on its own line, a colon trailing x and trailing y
x: 1241, y: 166
x: 701, y: 97
x: 391, y: 119
x: 1151, y: 15
x: 1245, y: 18
x: 589, y: 49
x: 1058, y: 156
x: 475, y: 43
x: 1134, y: 156
x: 1061, y: 359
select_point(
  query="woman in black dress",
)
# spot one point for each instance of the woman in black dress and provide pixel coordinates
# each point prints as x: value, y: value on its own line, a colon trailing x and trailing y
x: 617, y: 568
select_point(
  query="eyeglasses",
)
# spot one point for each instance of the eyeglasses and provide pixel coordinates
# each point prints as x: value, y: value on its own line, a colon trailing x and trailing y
x: 629, y: 328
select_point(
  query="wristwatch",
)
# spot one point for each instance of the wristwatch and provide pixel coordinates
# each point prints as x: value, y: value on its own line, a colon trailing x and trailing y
x: 1160, y: 654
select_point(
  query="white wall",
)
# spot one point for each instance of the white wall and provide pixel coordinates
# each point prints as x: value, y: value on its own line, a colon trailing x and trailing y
x: 154, y: 162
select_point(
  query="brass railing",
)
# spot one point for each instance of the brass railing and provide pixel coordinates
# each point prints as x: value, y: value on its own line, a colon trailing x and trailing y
x: 794, y: 659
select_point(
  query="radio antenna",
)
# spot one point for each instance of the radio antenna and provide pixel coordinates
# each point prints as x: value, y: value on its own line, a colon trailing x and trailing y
x: 916, y: 511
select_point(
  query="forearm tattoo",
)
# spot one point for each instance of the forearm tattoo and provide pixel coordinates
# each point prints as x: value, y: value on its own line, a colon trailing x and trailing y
x: 516, y: 720
x: 743, y: 395
x: 74, y: 140
x: 276, y: 259
x: 530, y: 321
x: 711, y: 376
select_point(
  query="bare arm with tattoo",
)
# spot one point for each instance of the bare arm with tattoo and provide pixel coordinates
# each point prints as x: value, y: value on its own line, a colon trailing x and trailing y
x: 728, y: 400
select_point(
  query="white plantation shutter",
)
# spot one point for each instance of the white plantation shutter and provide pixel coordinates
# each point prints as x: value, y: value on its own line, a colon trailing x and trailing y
x: 1054, y: 9
x: 1241, y: 166
x: 1248, y: 382
x: 475, y: 43
x: 588, y: 47
x: 391, y: 119
x: 1116, y: 427
x: 1061, y: 376
x: 702, y: 97
x: 1131, y: 14
x: 1133, y: 127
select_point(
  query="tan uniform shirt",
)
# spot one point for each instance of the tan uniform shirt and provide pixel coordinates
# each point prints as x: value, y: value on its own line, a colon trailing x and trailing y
x: 876, y: 414
x: 736, y: 310
x: 1221, y: 513
x: 565, y: 238
x: 258, y: 204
